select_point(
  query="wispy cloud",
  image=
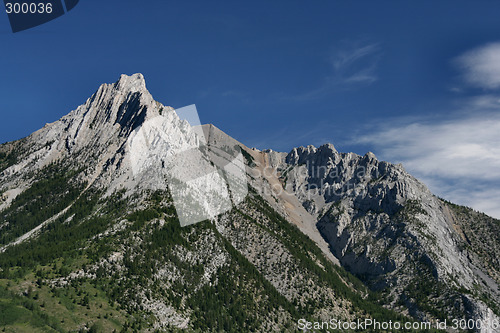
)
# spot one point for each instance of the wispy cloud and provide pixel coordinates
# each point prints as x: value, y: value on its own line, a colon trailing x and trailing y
x: 351, y: 65
x: 356, y: 64
x: 458, y: 158
x: 481, y: 66
x: 482, y: 196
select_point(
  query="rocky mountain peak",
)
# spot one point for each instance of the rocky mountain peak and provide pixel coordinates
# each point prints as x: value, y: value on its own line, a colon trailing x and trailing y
x: 328, y: 147
x: 114, y: 108
x: 98, y: 129
x: 132, y: 83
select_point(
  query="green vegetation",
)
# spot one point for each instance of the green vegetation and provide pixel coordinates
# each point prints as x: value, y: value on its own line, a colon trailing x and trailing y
x: 9, y: 154
x: 229, y: 302
x: 480, y: 234
x: 22, y: 311
x: 66, y: 280
x: 331, y: 275
x: 64, y: 237
x: 239, y: 299
x: 412, y: 208
x: 44, y: 199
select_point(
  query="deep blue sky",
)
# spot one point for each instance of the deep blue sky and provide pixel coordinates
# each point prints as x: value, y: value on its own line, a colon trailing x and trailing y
x: 273, y: 74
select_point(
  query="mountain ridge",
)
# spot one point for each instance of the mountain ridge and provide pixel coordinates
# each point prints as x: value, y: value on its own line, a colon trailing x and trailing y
x: 368, y: 216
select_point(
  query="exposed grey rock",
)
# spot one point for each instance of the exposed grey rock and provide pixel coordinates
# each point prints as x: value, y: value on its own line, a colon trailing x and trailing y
x: 386, y: 227
x: 369, y: 216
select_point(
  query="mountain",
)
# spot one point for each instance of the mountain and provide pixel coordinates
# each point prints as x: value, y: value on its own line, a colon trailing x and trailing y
x: 98, y: 232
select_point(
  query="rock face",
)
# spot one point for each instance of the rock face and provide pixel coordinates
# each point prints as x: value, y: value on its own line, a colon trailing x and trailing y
x: 424, y: 256
x: 387, y: 228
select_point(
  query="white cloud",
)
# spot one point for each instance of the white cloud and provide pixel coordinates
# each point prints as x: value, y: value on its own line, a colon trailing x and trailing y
x: 356, y: 64
x: 459, y: 158
x: 481, y: 66
x: 351, y: 65
x: 482, y: 196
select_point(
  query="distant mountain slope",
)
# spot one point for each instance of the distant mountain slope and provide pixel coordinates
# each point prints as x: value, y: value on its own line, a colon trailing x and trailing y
x: 90, y: 240
x: 388, y: 229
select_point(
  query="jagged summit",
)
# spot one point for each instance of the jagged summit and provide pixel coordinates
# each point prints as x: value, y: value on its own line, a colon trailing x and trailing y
x: 309, y: 149
x: 113, y: 110
x: 97, y: 131
x: 124, y: 102
x: 134, y: 82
